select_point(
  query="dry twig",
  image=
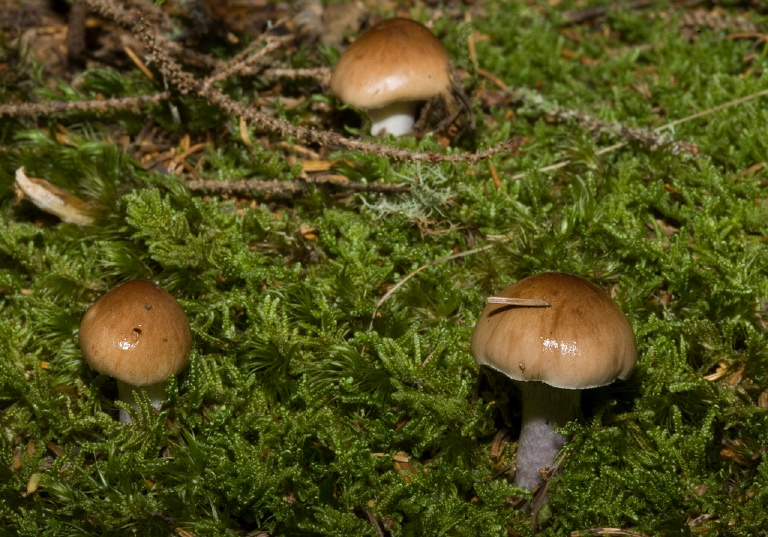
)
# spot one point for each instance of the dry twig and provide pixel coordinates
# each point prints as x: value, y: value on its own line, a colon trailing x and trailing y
x: 322, y: 75
x: 541, y: 494
x: 647, y: 137
x: 374, y: 522
x: 583, y: 15
x: 423, y: 267
x: 288, y: 188
x: 97, y: 105
x: 607, y: 531
x: 253, y: 54
x: 666, y: 126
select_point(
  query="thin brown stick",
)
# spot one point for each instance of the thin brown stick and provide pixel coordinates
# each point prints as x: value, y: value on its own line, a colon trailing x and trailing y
x: 253, y: 54
x: 76, y: 34
x: 607, y: 531
x: 541, y: 494
x: 759, y: 37
x: 666, y: 126
x: 320, y: 74
x: 399, y: 284
x: 697, y: 115
x: 645, y: 136
x: 97, y: 105
x: 583, y: 15
x: 374, y: 521
x: 287, y: 188
x: 525, y: 302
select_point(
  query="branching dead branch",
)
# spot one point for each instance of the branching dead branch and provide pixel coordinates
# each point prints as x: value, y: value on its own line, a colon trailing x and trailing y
x: 664, y: 127
x: 648, y: 137
x: 701, y: 18
x: 253, y: 54
x: 97, y: 105
x: 588, y: 14
x: 288, y: 188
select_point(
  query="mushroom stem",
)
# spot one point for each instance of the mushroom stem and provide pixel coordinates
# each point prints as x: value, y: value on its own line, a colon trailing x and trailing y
x: 395, y: 119
x: 128, y: 393
x: 544, y: 408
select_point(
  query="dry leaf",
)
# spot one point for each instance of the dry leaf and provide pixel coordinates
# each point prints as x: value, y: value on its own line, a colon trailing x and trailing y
x: 53, y: 199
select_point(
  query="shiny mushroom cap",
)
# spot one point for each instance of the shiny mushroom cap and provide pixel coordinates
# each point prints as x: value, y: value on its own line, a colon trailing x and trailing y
x: 395, y: 60
x: 582, y: 340
x: 136, y: 333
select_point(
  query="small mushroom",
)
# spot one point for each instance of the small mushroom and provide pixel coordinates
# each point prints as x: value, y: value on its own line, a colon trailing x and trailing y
x: 138, y: 334
x: 388, y: 70
x: 582, y: 340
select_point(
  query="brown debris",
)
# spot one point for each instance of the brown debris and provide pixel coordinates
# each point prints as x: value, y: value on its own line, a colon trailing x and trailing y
x: 289, y: 188
x: 76, y: 35
x: 340, y: 19
x: 762, y: 399
x: 717, y: 19
x: 403, y: 466
x: 53, y: 199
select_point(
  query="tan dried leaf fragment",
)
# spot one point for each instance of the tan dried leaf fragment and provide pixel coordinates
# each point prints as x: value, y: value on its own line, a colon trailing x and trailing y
x: 54, y: 199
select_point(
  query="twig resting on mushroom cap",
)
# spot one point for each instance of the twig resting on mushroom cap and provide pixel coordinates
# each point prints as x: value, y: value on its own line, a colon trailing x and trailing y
x: 529, y: 302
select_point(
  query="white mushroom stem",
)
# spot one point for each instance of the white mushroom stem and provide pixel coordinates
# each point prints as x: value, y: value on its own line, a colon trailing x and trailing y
x: 127, y: 393
x: 395, y: 119
x: 544, y: 408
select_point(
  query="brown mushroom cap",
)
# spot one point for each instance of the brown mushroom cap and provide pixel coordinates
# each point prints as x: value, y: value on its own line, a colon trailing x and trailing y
x: 582, y: 340
x: 395, y: 60
x: 137, y: 333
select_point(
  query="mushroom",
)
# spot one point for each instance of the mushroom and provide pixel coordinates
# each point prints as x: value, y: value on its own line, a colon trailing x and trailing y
x: 138, y: 334
x: 388, y: 70
x: 582, y: 340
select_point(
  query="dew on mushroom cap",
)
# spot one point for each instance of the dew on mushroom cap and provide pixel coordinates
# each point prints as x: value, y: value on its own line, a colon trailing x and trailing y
x: 138, y: 334
x: 388, y: 70
x: 583, y: 340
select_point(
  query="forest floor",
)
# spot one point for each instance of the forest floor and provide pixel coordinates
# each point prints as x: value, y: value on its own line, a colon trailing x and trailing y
x: 332, y: 279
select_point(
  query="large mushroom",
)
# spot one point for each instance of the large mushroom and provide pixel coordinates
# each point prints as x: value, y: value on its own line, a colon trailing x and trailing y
x: 388, y: 70
x: 138, y: 334
x: 582, y: 340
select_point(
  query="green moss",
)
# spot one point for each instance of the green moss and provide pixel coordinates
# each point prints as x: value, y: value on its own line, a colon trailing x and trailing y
x: 309, y: 407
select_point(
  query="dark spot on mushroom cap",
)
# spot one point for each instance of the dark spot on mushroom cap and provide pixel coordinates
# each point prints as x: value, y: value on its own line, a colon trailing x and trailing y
x: 147, y: 306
